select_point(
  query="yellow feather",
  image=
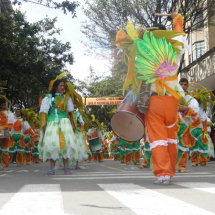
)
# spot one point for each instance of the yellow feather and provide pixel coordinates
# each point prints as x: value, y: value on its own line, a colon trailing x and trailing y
x: 132, y: 32
x: 93, y: 117
x: 130, y: 74
x: 63, y: 74
x: 6, y: 99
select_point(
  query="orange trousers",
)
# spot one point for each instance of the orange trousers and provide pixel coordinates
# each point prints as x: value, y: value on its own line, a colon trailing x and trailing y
x: 161, y: 125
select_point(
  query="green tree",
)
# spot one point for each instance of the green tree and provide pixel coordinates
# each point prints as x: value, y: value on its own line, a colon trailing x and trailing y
x: 100, y: 86
x: 106, y: 17
x: 30, y: 57
x: 66, y: 6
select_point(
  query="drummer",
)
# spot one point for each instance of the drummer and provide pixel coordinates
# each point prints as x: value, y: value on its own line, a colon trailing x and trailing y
x: 6, y: 123
x: 93, y: 133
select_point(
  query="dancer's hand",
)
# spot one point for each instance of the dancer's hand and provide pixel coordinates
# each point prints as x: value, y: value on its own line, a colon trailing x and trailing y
x: 174, y: 14
x: 183, y: 108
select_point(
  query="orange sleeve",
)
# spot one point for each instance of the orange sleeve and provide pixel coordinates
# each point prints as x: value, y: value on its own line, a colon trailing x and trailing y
x: 31, y: 131
x: 178, y: 23
x: 9, y: 126
x: 88, y: 137
x: 43, y: 119
x: 205, y: 126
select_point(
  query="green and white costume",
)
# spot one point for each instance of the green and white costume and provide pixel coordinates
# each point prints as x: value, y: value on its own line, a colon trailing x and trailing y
x: 59, y: 139
x: 79, y: 141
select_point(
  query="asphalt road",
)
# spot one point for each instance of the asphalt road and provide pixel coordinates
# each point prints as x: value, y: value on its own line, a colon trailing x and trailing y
x: 105, y: 188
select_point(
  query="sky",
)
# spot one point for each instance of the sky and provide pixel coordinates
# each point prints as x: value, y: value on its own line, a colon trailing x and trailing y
x: 71, y: 33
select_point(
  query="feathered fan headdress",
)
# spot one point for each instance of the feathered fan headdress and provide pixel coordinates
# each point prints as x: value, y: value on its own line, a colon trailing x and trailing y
x: 147, y: 53
x: 202, y: 95
x: 30, y: 116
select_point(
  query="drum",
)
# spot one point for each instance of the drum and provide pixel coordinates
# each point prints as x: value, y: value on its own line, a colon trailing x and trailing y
x: 5, y: 134
x: 95, y: 144
x: 127, y: 122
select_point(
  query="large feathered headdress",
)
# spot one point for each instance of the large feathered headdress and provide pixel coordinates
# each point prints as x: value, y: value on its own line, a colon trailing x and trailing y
x: 30, y: 116
x: 202, y: 95
x: 147, y: 53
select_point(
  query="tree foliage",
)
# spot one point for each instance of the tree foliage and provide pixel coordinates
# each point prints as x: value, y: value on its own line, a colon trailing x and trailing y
x: 66, y: 6
x: 100, y: 86
x: 106, y: 17
x: 30, y: 57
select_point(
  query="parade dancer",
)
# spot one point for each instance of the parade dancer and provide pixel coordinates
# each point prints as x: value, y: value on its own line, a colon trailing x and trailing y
x: 93, y: 133
x: 121, y: 146
x: 147, y: 153
x: 17, y: 143
x: 114, y: 147
x: 56, y: 136
x: 132, y: 152
x: 202, y: 139
x: 35, y: 152
x: 199, y: 153
x: 153, y: 56
x: 187, y: 116
x: 6, y: 123
x: 29, y: 117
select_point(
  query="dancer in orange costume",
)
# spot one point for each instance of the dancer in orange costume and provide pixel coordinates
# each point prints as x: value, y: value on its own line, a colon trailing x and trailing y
x: 6, y: 123
x: 153, y: 56
x: 161, y: 117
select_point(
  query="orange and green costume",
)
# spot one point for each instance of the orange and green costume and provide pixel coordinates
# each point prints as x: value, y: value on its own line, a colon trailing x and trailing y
x: 6, y: 120
x: 93, y: 133
x: 186, y: 122
x: 17, y: 143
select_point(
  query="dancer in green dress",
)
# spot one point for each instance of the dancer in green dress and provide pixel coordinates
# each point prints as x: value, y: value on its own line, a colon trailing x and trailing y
x: 57, y: 139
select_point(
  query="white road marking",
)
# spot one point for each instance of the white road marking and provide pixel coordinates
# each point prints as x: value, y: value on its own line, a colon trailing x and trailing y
x: 23, y: 171
x: 79, y: 174
x: 9, y: 171
x: 127, y: 177
x: 36, y: 170
x: 202, y: 186
x: 3, y: 175
x: 146, y: 201
x: 34, y: 199
x: 82, y: 167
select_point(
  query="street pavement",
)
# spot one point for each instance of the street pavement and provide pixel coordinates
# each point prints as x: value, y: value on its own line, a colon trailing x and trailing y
x: 105, y: 188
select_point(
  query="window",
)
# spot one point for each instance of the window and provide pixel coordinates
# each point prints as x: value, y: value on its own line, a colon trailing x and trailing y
x: 198, y: 49
x: 190, y: 59
x: 198, y: 23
